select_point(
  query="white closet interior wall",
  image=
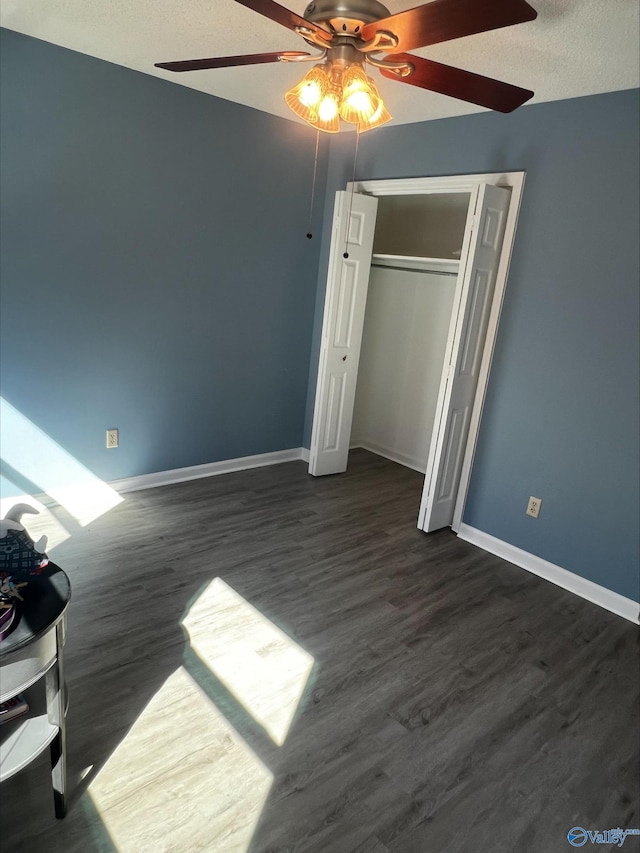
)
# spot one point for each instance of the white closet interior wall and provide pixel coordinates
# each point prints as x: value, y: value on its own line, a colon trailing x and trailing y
x: 406, y: 324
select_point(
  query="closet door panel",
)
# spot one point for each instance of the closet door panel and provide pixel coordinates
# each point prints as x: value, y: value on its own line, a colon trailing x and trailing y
x: 483, y: 239
x: 347, y: 284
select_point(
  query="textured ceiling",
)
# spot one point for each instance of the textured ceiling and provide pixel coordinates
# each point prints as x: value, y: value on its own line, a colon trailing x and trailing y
x: 574, y: 48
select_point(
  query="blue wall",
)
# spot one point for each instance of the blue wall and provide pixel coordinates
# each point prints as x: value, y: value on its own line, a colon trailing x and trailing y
x: 561, y: 415
x: 156, y: 276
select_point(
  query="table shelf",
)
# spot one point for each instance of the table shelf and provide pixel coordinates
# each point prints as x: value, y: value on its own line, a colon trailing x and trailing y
x: 25, y: 739
x: 31, y: 663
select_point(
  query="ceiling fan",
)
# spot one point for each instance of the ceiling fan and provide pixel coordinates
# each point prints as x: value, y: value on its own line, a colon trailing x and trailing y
x: 352, y: 34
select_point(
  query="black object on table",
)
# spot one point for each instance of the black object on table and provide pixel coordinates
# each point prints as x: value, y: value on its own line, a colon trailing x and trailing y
x: 33, y: 651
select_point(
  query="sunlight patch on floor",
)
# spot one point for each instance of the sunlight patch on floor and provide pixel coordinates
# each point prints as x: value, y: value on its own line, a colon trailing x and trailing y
x: 264, y: 669
x: 40, y: 460
x: 182, y: 779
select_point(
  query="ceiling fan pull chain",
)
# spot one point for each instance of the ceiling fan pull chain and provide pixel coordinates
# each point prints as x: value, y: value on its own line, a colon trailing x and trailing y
x: 313, y: 185
x: 345, y: 254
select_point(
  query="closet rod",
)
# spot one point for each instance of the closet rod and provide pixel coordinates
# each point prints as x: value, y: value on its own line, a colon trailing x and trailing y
x: 412, y: 269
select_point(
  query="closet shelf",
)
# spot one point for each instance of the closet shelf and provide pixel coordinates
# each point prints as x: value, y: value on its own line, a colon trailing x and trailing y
x: 414, y: 262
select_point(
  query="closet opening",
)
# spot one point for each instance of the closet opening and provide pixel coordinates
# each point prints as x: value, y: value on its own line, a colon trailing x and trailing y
x: 414, y: 267
x: 407, y: 239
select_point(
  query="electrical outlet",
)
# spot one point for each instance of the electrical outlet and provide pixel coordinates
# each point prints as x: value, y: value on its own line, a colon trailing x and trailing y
x: 533, y: 507
x: 112, y: 438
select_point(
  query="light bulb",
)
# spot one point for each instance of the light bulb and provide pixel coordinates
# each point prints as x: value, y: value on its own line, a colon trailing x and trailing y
x: 361, y: 102
x: 328, y: 118
x: 310, y: 94
x: 328, y: 107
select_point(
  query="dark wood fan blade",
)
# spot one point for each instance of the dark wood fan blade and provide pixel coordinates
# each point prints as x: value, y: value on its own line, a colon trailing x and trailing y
x: 460, y: 84
x: 227, y: 61
x: 442, y: 20
x: 283, y: 16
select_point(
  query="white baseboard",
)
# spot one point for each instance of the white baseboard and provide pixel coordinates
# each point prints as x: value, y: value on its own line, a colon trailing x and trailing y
x: 613, y: 601
x: 393, y: 455
x: 209, y: 469
x: 304, y: 454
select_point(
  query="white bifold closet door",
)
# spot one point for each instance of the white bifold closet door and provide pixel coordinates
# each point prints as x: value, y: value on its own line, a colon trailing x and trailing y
x: 342, y: 326
x: 476, y: 281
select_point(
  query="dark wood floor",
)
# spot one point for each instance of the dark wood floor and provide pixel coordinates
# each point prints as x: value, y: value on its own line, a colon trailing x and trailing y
x: 450, y: 701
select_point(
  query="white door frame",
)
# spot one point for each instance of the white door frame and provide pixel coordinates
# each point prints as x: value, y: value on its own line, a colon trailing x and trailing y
x: 466, y: 183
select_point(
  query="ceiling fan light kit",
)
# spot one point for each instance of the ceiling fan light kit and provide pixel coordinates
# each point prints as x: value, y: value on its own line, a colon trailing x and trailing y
x: 332, y: 92
x: 354, y: 33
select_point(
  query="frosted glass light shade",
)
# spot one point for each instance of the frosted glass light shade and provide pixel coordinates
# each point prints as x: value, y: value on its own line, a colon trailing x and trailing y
x: 379, y: 117
x: 359, y: 101
x: 305, y: 98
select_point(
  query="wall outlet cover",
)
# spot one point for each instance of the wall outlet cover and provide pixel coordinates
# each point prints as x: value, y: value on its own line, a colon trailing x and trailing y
x: 533, y: 507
